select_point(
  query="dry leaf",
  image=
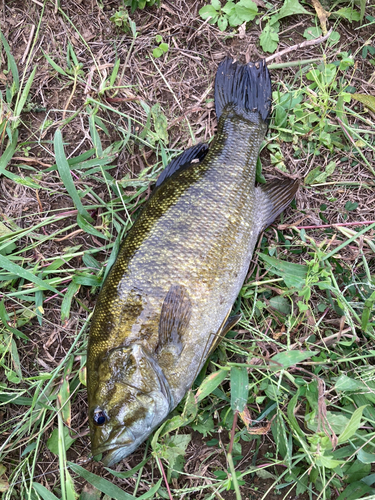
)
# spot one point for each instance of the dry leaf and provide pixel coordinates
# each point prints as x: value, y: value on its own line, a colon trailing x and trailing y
x: 322, y: 14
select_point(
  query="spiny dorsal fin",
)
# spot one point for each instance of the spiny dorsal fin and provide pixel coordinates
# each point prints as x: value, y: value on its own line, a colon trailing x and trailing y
x: 174, y: 318
x: 273, y: 198
x: 197, y: 152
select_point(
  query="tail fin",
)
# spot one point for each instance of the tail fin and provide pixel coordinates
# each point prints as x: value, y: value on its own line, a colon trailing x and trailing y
x: 246, y: 86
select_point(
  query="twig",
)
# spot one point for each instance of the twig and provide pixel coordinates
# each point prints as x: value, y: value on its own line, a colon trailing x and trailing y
x: 38, y: 3
x: 301, y: 45
x: 321, y: 226
x: 28, y: 44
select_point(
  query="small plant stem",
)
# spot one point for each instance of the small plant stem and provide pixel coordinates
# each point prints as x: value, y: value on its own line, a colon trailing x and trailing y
x: 230, y: 458
x: 350, y: 240
x: 140, y: 472
x: 165, y: 479
x: 289, y: 64
x: 302, y: 45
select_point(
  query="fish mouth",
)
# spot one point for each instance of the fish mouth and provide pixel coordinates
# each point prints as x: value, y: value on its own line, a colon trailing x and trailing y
x: 114, y: 453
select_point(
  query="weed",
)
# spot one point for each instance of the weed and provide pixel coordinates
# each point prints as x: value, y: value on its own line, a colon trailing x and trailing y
x: 232, y: 14
x: 162, y: 48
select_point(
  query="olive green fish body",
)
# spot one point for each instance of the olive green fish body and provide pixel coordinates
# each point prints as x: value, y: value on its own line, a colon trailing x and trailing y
x: 173, y: 284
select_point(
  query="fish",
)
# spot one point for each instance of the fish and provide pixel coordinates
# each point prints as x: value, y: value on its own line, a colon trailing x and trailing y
x: 166, y: 301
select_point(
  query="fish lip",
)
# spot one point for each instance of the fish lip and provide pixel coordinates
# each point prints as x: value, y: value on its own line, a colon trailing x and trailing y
x: 112, y: 453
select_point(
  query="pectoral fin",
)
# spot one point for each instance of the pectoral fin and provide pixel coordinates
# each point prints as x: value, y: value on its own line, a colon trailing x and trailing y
x: 228, y: 323
x: 273, y: 198
x: 174, y: 319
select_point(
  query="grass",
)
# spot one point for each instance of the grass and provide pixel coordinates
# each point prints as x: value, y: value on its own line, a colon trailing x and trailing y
x: 286, y: 403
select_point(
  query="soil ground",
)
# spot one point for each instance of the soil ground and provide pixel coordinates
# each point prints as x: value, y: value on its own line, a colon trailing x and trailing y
x: 182, y: 83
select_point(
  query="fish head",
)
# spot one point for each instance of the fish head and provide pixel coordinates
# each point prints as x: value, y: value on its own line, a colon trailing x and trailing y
x: 131, y: 398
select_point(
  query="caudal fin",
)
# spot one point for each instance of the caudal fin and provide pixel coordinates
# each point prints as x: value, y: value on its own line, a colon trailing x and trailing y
x: 247, y: 87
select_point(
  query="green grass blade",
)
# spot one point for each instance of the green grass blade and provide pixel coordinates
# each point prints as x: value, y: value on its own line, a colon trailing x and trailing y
x: 13, y: 268
x: 8, y: 154
x: 66, y: 176
x: 54, y: 65
x: 43, y: 492
x: 11, y: 62
x: 21, y: 102
x: 101, y: 484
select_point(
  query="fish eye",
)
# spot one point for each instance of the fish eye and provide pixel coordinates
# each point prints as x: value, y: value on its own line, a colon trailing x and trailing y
x: 99, y: 417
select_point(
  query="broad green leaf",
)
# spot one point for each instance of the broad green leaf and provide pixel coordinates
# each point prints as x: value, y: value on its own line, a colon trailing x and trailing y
x: 210, y: 383
x: 207, y: 11
x: 239, y: 387
x: 328, y: 461
x: 216, y: 4
x: 290, y: 358
x: 269, y: 39
x: 157, y: 52
x: 222, y: 23
x: 280, y: 304
x: 352, y: 426
x: 292, y: 8
x: 66, y: 176
x: 367, y: 100
x: 354, y: 491
x: 345, y: 383
x: 348, y: 13
x: 43, y: 492
x: 13, y: 268
x: 53, y: 440
x: 294, y: 275
x: 357, y: 471
x: 101, y: 484
x: 365, y: 458
x: 312, y: 33
x: 160, y: 122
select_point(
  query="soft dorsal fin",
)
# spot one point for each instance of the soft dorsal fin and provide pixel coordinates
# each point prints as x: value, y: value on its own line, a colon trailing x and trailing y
x: 197, y: 153
x: 273, y: 198
x: 174, y: 318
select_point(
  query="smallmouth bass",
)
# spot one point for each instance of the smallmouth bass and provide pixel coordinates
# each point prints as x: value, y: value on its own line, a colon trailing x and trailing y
x: 168, y: 296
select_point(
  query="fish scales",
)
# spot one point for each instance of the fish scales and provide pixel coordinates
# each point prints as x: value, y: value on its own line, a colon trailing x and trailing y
x: 173, y: 284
